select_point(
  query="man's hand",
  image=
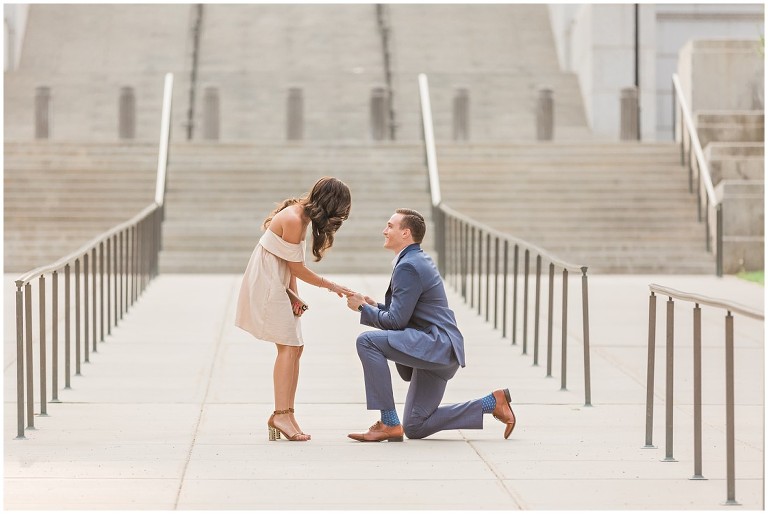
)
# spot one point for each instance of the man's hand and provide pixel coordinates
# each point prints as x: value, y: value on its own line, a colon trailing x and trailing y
x: 354, y: 301
x: 371, y: 301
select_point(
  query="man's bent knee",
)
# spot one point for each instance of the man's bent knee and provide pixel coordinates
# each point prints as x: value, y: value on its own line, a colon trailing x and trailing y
x: 414, y: 428
x: 365, y: 346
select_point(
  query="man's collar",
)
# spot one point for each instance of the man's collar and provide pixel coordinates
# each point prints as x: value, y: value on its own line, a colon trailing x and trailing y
x: 410, y: 247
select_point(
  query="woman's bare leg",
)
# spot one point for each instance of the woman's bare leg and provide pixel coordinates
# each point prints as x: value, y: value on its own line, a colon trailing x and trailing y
x: 284, y: 382
x: 295, y: 384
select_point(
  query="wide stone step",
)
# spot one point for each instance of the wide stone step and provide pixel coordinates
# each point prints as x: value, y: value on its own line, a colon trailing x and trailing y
x: 236, y: 262
x: 533, y: 193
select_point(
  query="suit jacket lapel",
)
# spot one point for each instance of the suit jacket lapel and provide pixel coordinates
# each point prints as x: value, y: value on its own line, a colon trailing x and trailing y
x: 408, y: 249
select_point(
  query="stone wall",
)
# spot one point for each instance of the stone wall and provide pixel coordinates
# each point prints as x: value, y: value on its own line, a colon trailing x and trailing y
x: 722, y: 74
x: 723, y: 85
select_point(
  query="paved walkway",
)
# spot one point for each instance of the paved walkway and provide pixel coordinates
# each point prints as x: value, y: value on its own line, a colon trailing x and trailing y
x: 171, y: 412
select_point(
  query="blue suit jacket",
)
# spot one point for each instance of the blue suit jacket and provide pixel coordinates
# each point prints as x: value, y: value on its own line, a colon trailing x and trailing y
x: 415, y: 314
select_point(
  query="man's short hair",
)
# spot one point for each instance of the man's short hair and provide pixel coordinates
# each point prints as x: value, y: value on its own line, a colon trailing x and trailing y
x: 414, y: 221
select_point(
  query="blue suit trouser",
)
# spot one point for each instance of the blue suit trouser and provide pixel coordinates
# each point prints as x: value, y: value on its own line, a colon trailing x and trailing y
x: 423, y: 414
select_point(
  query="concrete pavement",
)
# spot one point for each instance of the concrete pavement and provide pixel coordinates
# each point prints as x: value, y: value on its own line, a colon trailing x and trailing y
x: 171, y: 413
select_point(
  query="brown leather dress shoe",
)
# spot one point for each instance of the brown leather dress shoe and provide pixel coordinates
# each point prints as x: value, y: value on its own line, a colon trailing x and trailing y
x: 380, y: 432
x: 503, y: 411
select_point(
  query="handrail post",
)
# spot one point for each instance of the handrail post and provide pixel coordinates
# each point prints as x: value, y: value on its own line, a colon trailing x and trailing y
x: 706, y: 225
x: 43, y: 357
x: 649, y: 383
x: 472, y: 270
x: 135, y: 269
x: 77, y: 317
x: 525, y: 302
x: 729, y: 413
x: 496, y: 284
x: 697, y: 475
x: 487, y: 276
x: 119, y: 274
x: 564, y: 350
x: 479, y: 271
x: 115, y: 277
x: 19, y: 361
x: 30, y: 375
x: 585, y: 331
x: 674, y: 113
x: 514, y: 297
x: 439, y: 216
x: 86, y: 327
x: 464, y: 234
x: 55, y: 337
x: 109, y: 288
x: 670, y: 379
x: 504, y: 301
x: 93, y: 296
x: 719, y: 240
x: 101, y: 292
x: 67, y: 327
x: 451, y: 246
x: 550, y: 316
x: 536, y: 312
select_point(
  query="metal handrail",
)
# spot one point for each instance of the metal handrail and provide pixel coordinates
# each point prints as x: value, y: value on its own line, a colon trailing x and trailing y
x: 59, y: 264
x: 165, y: 140
x: 457, y: 262
x: 126, y: 257
x: 703, y: 175
x: 706, y: 300
x: 697, y: 299
x: 429, y: 140
x: 694, y: 137
x: 578, y: 268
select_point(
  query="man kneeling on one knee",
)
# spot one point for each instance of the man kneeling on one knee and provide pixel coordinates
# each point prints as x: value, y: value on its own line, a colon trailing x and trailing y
x: 417, y: 331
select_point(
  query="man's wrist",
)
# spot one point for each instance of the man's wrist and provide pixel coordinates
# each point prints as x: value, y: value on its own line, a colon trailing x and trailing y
x: 360, y: 307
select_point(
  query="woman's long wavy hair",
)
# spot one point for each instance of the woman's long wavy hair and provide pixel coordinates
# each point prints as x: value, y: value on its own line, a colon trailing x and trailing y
x: 327, y: 206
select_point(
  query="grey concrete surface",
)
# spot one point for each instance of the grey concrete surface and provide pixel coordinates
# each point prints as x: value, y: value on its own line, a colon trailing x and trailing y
x: 171, y: 413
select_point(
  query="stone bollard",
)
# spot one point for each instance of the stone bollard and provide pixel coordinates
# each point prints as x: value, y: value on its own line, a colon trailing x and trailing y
x: 629, y: 114
x: 545, y: 115
x: 461, y: 114
x: 42, y: 112
x: 295, y: 114
x: 126, y: 119
x: 211, y: 114
x: 378, y: 113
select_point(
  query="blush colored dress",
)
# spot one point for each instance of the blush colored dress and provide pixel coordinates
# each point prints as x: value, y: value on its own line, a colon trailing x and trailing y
x: 263, y: 307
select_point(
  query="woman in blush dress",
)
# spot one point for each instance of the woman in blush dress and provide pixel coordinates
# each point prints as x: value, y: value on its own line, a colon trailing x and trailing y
x: 264, y: 308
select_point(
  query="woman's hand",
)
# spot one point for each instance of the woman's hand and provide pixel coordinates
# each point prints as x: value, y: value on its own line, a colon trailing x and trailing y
x: 297, y: 310
x: 340, y: 290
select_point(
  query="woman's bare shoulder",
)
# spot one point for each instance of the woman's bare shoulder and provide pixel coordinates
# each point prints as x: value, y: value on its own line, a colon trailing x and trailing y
x: 288, y: 224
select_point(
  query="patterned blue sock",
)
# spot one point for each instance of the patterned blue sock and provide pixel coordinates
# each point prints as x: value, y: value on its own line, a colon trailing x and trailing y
x: 389, y: 418
x: 489, y: 403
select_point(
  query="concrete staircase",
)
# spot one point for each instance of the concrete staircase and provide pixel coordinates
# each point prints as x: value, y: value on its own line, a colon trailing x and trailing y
x: 85, y: 54
x: 219, y: 194
x: 617, y: 208
x: 254, y: 53
x: 501, y: 53
x: 58, y: 196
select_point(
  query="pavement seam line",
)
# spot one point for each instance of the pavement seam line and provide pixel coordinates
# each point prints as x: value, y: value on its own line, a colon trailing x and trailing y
x: 492, y: 469
x: 205, y: 398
